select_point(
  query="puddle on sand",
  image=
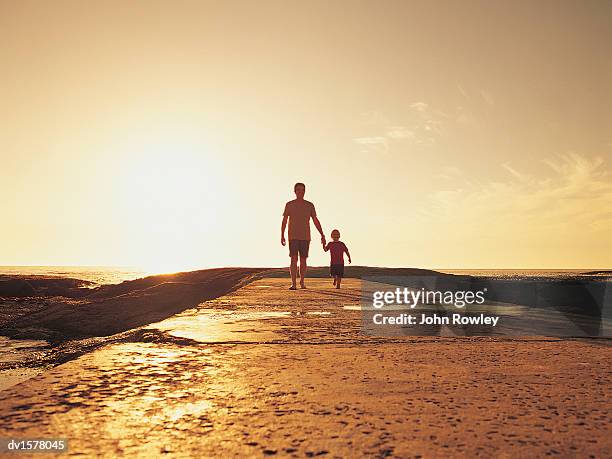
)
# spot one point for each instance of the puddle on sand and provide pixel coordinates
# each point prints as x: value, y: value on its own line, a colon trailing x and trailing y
x: 220, y: 325
x: 17, y: 351
x: 9, y: 378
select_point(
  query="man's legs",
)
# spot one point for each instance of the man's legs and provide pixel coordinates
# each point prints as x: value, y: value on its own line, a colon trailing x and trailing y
x: 293, y: 270
x: 303, y: 269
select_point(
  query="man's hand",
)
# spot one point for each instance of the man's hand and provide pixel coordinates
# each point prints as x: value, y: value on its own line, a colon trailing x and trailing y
x: 350, y: 260
x: 323, y: 240
x: 283, y: 242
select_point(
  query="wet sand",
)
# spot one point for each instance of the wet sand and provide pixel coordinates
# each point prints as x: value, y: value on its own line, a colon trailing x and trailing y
x: 268, y: 372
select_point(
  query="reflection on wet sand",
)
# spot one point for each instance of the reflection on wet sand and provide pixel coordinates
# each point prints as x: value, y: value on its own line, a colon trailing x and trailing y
x: 217, y: 325
x: 265, y: 371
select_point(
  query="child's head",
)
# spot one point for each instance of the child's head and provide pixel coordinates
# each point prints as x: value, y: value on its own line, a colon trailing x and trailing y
x: 335, y: 235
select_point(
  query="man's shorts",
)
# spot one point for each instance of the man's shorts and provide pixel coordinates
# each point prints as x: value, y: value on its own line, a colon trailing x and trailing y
x: 298, y: 246
x: 336, y: 270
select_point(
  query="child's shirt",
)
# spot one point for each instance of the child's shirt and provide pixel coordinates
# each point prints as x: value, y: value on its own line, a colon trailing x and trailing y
x: 336, y: 249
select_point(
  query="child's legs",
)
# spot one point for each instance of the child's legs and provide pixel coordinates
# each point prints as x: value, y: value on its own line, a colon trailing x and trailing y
x: 338, y: 281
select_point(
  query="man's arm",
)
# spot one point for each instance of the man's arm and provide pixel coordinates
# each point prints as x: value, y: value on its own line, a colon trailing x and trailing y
x: 283, y: 226
x: 315, y: 220
x: 317, y: 224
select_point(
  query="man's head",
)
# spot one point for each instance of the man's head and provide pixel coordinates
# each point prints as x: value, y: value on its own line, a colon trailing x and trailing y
x: 299, y: 189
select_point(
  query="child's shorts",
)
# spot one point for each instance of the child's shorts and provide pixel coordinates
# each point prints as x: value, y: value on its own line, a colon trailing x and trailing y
x: 336, y: 270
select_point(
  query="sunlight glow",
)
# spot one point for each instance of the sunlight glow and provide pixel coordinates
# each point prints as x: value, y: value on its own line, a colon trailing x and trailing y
x: 166, y: 195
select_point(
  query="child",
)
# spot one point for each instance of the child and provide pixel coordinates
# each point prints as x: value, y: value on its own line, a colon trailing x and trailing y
x: 337, y: 249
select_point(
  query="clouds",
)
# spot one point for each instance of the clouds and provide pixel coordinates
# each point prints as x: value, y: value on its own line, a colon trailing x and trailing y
x: 572, y: 196
x: 559, y: 216
x: 373, y: 144
x: 488, y: 98
x: 421, y: 125
x: 419, y: 106
x: 400, y: 132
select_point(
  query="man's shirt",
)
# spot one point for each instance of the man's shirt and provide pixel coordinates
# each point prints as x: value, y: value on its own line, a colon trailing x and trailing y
x: 299, y: 212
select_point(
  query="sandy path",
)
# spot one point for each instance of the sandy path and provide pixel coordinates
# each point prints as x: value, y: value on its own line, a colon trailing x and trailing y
x: 265, y: 371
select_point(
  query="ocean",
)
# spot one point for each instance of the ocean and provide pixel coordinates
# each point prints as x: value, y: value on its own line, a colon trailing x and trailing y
x: 97, y: 274
x: 117, y: 274
x: 14, y: 351
x: 528, y: 273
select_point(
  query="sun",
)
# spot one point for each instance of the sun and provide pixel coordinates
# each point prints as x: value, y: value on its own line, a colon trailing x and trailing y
x: 165, y: 195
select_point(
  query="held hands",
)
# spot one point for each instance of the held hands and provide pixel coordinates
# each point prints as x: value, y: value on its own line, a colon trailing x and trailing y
x: 323, y: 240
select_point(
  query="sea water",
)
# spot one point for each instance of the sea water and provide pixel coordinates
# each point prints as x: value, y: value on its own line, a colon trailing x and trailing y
x: 15, y: 351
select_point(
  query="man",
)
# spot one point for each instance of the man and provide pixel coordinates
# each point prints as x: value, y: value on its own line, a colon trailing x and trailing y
x: 299, y: 212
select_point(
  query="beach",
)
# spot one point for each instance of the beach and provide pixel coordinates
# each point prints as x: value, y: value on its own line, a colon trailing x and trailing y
x: 264, y: 371
x: 306, y: 229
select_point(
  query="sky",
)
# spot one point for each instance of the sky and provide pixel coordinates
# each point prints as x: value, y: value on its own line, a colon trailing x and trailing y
x: 440, y: 134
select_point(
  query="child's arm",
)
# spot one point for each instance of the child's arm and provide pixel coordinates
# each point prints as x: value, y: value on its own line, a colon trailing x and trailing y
x: 325, y: 247
x: 347, y: 253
